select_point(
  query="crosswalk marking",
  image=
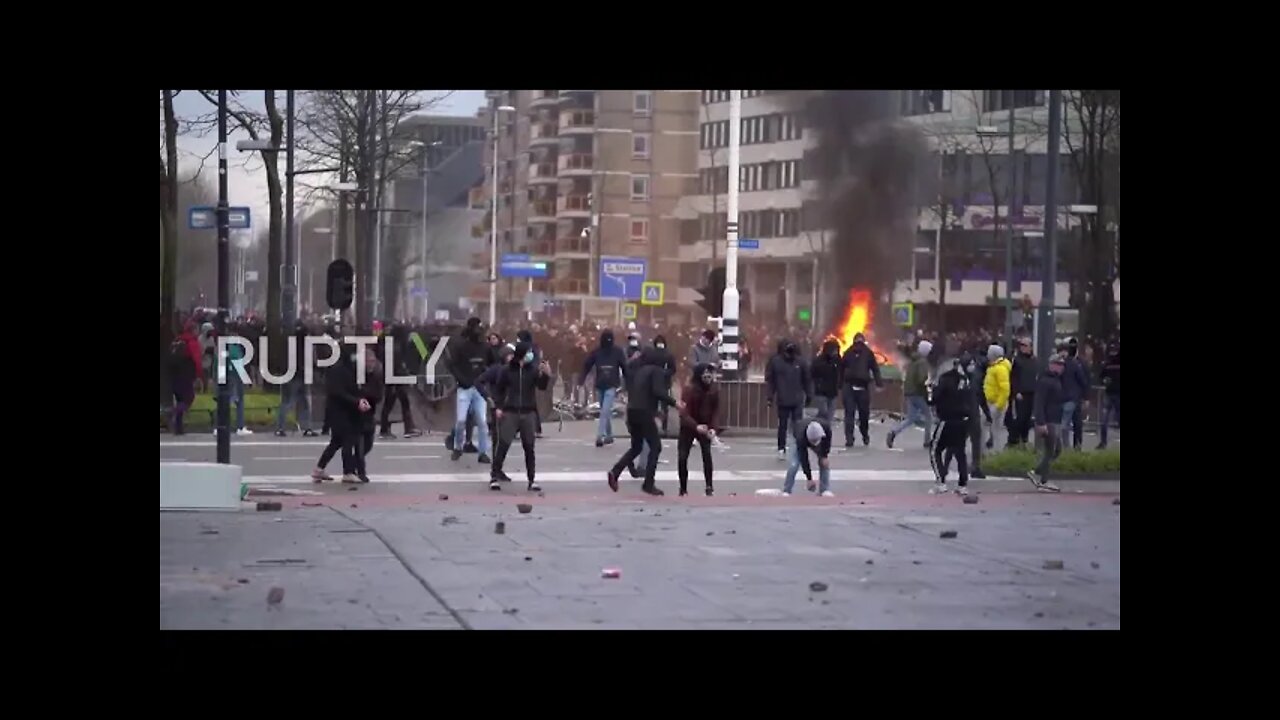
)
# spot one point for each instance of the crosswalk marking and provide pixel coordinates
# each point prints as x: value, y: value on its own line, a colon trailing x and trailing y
x: 517, y: 475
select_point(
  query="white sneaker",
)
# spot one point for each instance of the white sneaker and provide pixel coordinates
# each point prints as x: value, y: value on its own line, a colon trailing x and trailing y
x: 786, y: 494
x: 828, y: 493
x: 782, y: 455
x: 1049, y: 487
x: 244, y: 431
x: 938, y: 489
x: 962, y: 491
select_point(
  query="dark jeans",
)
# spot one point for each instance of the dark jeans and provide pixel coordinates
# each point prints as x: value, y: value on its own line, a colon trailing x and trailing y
x: 354, y: 451
x: 1049, y: 451
x: 1022, y: 418
x: 949, y: 441
x: 1112, y: 406
x: 389, y: 397
x: 683, y: 446
x: 975, y: 440
x: 642, y: 428
x: 857, y: 403
x: 184, y: 393
x: 787, y: 418
x: 335, y: 444
x: 513, y: 422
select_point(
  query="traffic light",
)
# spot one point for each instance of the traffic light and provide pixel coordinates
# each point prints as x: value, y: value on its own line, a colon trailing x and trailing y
x: 713, y: 294
x: 339, y: 287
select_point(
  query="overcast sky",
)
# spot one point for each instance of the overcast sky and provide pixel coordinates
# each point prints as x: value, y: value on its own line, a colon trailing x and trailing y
x: 246, y: 181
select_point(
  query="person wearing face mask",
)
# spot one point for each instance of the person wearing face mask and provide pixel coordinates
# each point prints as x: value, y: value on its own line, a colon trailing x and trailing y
x: 669, y: 368
x: 789, y: 388
x: 704, y: 351
x: 955, y: 403
x: 1075, y: 386
x: 524, y: 336
x: 698, y: 422
x: 860, y: 368
x: 915, y: 391
x: 1048, y: 414
x: 609, y: 365
x: 346, y: 408
x: 647, y: 387
x: 825, y: 369
x: 467, y: 358
x: 1022, y: 379
x: 516, y: 402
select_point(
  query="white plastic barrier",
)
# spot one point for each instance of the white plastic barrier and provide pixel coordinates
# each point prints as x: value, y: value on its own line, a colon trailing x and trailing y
x: 199, y: 486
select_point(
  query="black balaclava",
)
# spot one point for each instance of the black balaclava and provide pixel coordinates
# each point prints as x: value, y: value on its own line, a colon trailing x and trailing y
x: 1073, y: 347
x: 606, y: 339
x: 789, y: 351
x: 831, y: 348
x: 698, y: 371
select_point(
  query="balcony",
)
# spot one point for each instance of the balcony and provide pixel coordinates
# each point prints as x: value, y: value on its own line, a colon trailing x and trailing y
x: 543, y: 245
x: 544, y: 134
x: 542, y: 173
x: 568, y: 286
x: 570, y: 206
x: 545, y: 98
x: 577, y: 122
x: 573, y: 245
x: 542, y: 211
x: 575, y: 165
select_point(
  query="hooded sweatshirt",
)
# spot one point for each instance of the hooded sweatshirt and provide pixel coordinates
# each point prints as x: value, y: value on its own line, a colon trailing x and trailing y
x: 787, y: 379
x: 517, y: 384
x: 995, y: 386
x: 608, y: 361
x: 860, y: 365
x: 700, y: 353
x: 1075, y: 377
x: 701, y: 401
x: 826, y: 370
x: 467, y: 356
x: 184, y: 371
x: 668, y: 359
x: 647, y: 384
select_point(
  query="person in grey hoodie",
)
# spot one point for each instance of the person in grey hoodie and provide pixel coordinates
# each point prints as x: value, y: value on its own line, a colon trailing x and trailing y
x: 1075, y: 388
x: 788, y: 388
x: 705, y: 352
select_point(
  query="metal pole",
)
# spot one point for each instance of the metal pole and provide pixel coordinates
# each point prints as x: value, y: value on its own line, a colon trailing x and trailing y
x: 1044, y: 325
x: 422, y: 267
x: 528, y: 315
x: 729, y: 325
x: 377, y: 264
x: 493, y: 231
x: 289, y: 288
x: 224, y: 283
x: 1008, y: 241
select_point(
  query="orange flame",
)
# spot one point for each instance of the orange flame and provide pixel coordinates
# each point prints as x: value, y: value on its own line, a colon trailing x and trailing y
x: 857, y: 319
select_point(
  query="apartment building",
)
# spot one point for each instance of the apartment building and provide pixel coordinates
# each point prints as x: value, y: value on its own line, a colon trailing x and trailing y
x: 588, y: 181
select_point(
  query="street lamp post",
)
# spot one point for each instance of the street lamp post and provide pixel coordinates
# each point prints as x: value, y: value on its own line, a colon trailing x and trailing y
x: 729, y: 311
x: 426, y: 172
x: 224, y: 285
x: 1045, y: 323
x: 493, y: 231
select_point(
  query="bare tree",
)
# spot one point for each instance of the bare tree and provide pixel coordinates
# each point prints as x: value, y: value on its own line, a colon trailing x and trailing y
x: 1091, y: 133
x: 168, y: 230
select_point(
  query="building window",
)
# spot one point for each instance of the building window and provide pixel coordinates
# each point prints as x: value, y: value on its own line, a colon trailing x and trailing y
x: 789, y: 174
x: 752, y: 93
x: 642, y: 102
x: 710, y: 97
x: 640, y: 230
x: 789, y: 127
x: 925, y: 102
x: 994, y: 100
x: 640, y: 146
x: 640, y: 187
x: 788, y: 223
x: 715, y: 134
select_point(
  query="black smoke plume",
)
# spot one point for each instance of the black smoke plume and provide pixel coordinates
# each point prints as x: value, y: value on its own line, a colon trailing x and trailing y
x: 869, y: 166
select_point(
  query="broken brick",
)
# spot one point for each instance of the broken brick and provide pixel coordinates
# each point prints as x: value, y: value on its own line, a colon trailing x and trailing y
x: 353, y: 488
x: 443, y: 496
x: 709, y: 533
x: 500, y: 528
x: 970, y: 499
x: 524, y: 508
x: 1053, y: 565
x: 1094, y: 565
x: 816, y: 586
x: 870, y: 561
x: 269, y: 506
x: 947, y: 534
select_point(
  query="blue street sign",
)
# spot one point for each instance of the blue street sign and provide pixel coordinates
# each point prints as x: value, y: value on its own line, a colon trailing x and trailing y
x: 521, y: 266
x: 621, y: 277
x: 206, y: 218
x: 748, y: 244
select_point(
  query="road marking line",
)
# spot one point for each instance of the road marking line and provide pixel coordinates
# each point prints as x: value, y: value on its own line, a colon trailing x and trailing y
x: 588, y: 476
x: 285, y: 457
x: 411, y: 457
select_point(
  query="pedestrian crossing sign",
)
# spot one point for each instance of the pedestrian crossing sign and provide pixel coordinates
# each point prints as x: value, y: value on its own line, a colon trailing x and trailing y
x: 628, y: 311
x: 651, y: 293
x: 904, y: 314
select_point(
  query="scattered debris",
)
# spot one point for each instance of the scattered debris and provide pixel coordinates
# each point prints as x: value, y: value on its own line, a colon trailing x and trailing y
x: 209, y: 531
x: 354, y: 506
x: 275, y: 596
x: 915, y: 562
x: 442, y: 496
x: 278, y: 520
x: 311, y: 504
x: 1095, y: 565
x: 816, y: 586
x: 243, y: 581
x: 527, y: 558
x: 449, y: 520
x: 710, y: 533
x: 1039, y: 614
x: 1116, y: 501
x: 826, y: 602
x: 1053, y: 565
x: 511, y: 611
x: 353, y: 488
x: 353, y: 601
x: 733, y: 494
x: 611, y: 573
x: 731, y: 532
x: 870, y: 561
x: 970, y: 499
x: 947, y: 534
x: 500, y: 528
x: 524, y: 508
x: 269, y: 506
x: 736, y: 576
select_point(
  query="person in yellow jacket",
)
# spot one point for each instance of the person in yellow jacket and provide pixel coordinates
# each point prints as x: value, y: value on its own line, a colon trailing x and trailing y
x: 996, y: 389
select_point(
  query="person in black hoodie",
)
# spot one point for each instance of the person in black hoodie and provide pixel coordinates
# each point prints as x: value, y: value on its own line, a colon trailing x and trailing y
x: 1048, y: 415
x: 698, y: 422
x: 860, y: 368
x: 467, y: 357
x: 825, y: 370
x: 648, y: 386
x: 609, y: 364
x: 669, y: 368
x: 1111, y: 382
x: 1075, y: 389
x: 956, y: 406
x: 788, y: 388
x: 400, y: 350
x: 524, y: 336
x: 1022, y: 383
x: 516, y: 401
x: 350, y: 412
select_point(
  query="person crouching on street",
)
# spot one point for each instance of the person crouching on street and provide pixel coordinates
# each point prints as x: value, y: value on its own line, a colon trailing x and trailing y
x: 953, y: 399
x: 516, y: 402
x: 1048, y: 418
x: 648, y: 386
x: 698, y: 422
x: 815, y: 436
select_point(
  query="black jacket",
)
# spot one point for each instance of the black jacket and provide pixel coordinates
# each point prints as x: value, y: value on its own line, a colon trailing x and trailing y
x: 1111, y: 373
x: 517, y: 386
x: 953, y: 396
x: 344, y: 395
x: 788, y: 382
x: 860, y: 366
x: 467, y: 358
x: 608, y: 361
x: 647, y: 383
x: 1075, y: 380
x: 1048, y: 404
x: 1022, y: 377
x: 826, y: 371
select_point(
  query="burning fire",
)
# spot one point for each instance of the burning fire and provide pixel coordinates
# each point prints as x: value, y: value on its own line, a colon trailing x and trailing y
x: 857, y: 319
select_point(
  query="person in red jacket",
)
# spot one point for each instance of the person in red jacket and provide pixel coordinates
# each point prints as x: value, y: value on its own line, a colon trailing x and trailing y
x: 184, y: 369
x: 698, y: 422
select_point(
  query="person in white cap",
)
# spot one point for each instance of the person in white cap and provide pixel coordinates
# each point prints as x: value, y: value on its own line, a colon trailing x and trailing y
x: 815, y: 436
x: 915, y: 389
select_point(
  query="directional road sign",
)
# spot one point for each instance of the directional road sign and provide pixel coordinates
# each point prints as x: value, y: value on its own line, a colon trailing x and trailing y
x: 653, y: 292
x: 621, y: 277
x: 521, y: 266
x: 744, y: 244
x: 206, y: 218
